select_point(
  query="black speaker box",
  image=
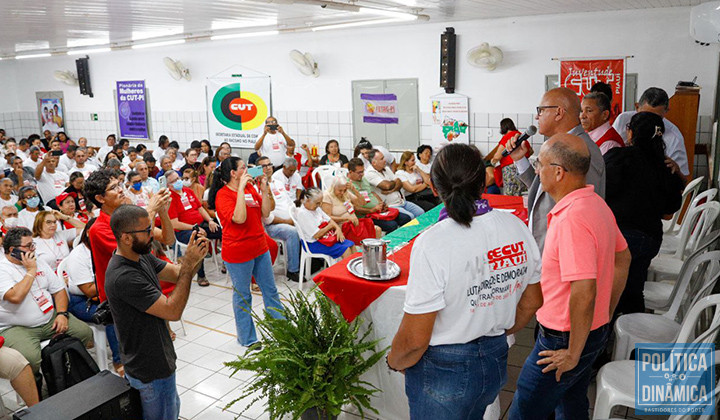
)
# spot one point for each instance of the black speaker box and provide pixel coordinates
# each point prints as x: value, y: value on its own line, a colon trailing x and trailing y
x: 83, y: 72
x: 103, y: 397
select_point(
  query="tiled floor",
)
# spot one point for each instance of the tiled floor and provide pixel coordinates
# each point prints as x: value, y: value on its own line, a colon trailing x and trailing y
x: 206, y: 339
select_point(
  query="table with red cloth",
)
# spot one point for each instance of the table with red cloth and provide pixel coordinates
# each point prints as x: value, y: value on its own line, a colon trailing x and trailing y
x: 381, y: 302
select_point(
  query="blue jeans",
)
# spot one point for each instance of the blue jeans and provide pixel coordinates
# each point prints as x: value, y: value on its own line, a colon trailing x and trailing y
x: 457, y: 381
x: 539, y: 394
x: 78, y: 307
x: 287, y: 233
x: 160, y: 399
x: 643, y: 248
x: 261, y: 268
x: 410, y: 209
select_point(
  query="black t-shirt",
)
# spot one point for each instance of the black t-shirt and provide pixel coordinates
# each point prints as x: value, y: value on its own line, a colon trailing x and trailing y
x: 326, y: 161
x: 145, y: 345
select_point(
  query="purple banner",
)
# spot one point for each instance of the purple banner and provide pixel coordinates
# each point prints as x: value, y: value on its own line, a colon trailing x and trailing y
x: 379, y: 108
x: 132, y: 110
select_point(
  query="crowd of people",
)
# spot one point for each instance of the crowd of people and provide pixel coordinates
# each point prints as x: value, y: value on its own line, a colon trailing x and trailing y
x: 111, y: 214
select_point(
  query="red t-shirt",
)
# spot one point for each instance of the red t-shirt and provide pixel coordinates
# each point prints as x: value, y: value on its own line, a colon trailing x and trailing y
x: 185, y: 208
x: 507, y: 160
x: 241, y: 242
x: 102, y: 244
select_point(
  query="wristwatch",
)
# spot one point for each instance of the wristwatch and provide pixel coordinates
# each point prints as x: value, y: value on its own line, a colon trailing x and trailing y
x: 67, y: 315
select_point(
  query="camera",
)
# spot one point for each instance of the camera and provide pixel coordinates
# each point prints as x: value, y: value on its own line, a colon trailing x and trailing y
x: 102, y: 315
x: 273, y: 126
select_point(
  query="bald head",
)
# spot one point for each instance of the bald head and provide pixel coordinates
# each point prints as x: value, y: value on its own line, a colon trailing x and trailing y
x: 569, y: 151
x: 565, y: 98
x: 560, y: 111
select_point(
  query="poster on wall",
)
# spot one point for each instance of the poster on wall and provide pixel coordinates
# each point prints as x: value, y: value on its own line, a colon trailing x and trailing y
x: 132, y: 109
x: 51, y: 111
x: 237, y: 108
x: 579, y: 75
x: 450, y: 120
x: 379, y: 108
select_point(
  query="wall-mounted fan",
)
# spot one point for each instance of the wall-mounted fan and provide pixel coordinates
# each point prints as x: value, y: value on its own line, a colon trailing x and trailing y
x: 65, y: 76
x: 485, y: 56
x: 305, y: 63
x: 176, y: 69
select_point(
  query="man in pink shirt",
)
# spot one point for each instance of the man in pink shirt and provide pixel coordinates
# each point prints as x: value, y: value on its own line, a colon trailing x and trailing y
x: 584, y: 269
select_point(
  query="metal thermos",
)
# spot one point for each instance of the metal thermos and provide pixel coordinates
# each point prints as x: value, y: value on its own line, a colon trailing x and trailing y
x: 374, y: 257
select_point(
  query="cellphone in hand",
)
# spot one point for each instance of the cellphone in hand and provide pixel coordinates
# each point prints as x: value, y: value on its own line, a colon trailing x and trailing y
x: 56, y: 153
x: 163, y: 182
x: 273, y: 126
x: 17, y: 253
x: 255, y: 171
x: 196, y: 228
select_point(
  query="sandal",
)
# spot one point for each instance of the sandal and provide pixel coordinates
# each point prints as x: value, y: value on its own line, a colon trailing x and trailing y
x: 255, y: 287
x: 203, y: 282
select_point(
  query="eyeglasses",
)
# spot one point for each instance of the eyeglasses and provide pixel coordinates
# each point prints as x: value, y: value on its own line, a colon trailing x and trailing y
x: 540, y: 109
x: 537, y: 165
x: 29, y: 246
x: 267, y: 165
x: 148, y: 230
x: 117, y: 187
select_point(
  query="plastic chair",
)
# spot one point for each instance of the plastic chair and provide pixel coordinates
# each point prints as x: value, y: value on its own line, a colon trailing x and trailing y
x: 659, y: 295
x: 702, y: 218
x: 672, y: 241
x: 616, y: 380
x: 323, y: 171
x: 305, y: 255
x: 691, y: 190
x: 698, y: 280
x: 178, y: 247
x: 282, y: 250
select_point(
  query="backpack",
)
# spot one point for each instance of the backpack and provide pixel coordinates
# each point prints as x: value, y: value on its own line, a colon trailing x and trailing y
x: 66, y: 362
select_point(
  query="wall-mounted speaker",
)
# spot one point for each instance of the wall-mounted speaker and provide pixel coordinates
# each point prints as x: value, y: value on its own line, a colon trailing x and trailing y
x: 83, y: 73
x: 447, y: 60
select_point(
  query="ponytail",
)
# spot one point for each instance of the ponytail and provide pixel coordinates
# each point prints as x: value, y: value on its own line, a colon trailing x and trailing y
x: 221, y: 176
x: 458, y: 174
x: 306, y: 194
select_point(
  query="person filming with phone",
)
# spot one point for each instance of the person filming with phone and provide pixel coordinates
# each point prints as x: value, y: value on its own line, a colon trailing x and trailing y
x: 273, y: 142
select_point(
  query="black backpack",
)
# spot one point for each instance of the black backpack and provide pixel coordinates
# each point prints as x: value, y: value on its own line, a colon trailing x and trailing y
x: 66, y: 362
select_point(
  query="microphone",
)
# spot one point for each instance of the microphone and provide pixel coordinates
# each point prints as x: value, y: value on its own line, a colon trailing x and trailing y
x: 526, y: 135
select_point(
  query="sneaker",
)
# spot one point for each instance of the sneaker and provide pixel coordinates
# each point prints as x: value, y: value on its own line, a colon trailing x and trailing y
x: 256, y: 346
x: 203, y: 282
x: 293, y: 276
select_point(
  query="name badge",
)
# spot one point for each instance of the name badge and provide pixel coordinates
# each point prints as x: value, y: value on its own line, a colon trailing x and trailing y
x: 275, y: 145
x: 348, y: 205
x: 44, y: 303
x: 365, y: 196
x: 185, y: 202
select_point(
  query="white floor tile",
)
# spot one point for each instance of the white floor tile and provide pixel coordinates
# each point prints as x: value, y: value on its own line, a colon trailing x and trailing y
x: 228, y: 327
x: 215, y: 413
x: 213, y: 320
x: 232, y: 347
x: 217, y: 386
x: 192, y: 332
x: 214, y: 339
x: 214, y: 360
x: 226, y: 309
x: 191, y: 375
x: 209, y: 291
x: 193, y: 403
x: 191, y: 352
x: 211, y: 304
x: 192, y: 313
x: 253, y: 412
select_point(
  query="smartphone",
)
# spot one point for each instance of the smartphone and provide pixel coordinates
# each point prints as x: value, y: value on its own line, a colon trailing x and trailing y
x: 255, y: 171
x: 56, y: 153
x: 196, y: 228
x: 163, y: 182
x: 273, y: 126
x: 17, y: 254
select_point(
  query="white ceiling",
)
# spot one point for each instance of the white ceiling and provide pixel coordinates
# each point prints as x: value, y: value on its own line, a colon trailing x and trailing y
x: 56, y: 25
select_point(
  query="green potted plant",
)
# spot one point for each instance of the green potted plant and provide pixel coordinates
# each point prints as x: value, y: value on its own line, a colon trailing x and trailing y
x: 310, y: 363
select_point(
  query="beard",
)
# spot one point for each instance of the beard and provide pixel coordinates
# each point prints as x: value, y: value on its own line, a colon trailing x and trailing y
x: 142, y: 248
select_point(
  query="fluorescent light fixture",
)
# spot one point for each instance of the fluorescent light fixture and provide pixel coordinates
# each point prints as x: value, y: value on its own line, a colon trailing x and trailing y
x: 89, y: 51
x: 158, y: 44
x: 353, y: 24
x: 157, y: 33
x: 31, y: 46
x: 219, y: 25
x: 20, y: 57
x: 243, y: 35
x: 389, y: 13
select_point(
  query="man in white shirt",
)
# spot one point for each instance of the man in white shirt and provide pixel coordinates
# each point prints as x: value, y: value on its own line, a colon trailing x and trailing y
x: 656, y: 100
x: 163, y: 144
x: 6, y: 196
x: 111, y: 139
x: 273, y: 142
x: 150, y: 184
x: 81, y: 163
x: 50, y: 181
x: 67, y: 160
x: 279, y: 224
x: 287, y: 179
x: 34, y: 302
x: 22, y: 149
x: 33, y: 158
x: 388, y: 185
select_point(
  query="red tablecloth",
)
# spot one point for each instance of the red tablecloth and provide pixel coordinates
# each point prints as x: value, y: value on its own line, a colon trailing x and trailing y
x: 353, y: 294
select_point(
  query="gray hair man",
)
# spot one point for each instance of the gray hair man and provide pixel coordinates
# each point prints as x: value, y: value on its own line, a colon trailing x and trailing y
x: 595, y: 119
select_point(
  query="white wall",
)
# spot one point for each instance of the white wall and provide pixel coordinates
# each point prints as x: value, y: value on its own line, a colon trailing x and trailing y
x: 664, y: 53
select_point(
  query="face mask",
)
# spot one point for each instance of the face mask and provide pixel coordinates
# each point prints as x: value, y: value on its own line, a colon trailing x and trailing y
x: 10, y: 222
x: 186, y: 183
x: 33, y: 202
x: 136, y: 186
x: 177, y: 185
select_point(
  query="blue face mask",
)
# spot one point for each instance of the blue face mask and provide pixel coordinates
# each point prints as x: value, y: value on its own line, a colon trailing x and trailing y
x: 33, y: 202
x: 136, y: 186
x: 177, y: 185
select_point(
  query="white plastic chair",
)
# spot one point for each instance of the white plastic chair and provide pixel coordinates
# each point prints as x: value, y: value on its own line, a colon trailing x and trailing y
x: 672, y: 241
x: 323, y: 172
x: 659, y: 295
x: 282, y: 251
x: 691, y: 190
x: 305, y: 255
x: 698, y: 280
x: 616, y: 380
x: 701, y: 218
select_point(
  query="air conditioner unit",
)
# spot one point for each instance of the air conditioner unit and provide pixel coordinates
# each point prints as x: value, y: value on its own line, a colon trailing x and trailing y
x: 705, y: 23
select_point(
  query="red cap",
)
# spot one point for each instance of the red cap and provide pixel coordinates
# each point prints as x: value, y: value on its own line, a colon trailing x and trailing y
x: 62, y: 197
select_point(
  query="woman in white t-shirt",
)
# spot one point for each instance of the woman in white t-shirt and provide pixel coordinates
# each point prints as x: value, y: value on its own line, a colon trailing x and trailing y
x: 315, y: 227
x: 53, y: 245
x: 416, y: 183
x: 424, y: 155
x: 474, y: 277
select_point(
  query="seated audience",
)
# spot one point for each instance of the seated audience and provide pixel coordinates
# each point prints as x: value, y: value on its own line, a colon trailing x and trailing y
x: 67, y: 160
x: 81, y: 163
x: 424, y: 158
x: 102, y: 153
x: 151, y: 164
x: 166, y: 165
x: 462, y: 300
x: 33, y: 159
x: 132, y: 159
x: 137, y: 194
x: 208, y: 166
x: 205, y: 150
x: 287, y: 178
x: 190, y: 180
x: 161, y: 150
x: 505, y: 173
x: 9, y: 218
x: 148, y: 183
x: 333, y: 156
x: 52, y: 245
x: 364, y: 147
x: 21, y: 176
x: 77, y: 181
x: 222, y: 154
x: 7, y: 198
x: 177, y: 158
x: 388, y: 185
x: 595, y: 119
x: 374, y: 207
x: 16, y: 369
x: 321, y: 234
x: 415, y: 182
x: 110, y: 156
x: 50, y: 181
x: 65, y: 203
x: 30, y: 199
x: 34, y: 302
x: 641, y: 190
x: 339, y: 202
x: 191, y: 160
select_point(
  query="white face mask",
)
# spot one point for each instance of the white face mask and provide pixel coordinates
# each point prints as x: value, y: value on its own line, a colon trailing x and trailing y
x: 10, y: 222
x: 186, y: 183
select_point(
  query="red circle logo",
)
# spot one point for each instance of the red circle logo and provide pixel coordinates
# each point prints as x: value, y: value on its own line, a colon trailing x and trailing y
x: 243, y: 108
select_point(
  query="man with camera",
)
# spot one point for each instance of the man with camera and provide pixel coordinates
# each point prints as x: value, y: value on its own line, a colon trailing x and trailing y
x: 140, y: 310
x: 273, y: 142
x: 34, y: 303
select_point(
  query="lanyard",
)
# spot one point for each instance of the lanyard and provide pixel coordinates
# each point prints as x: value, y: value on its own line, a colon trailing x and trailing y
x: 481, y: 207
